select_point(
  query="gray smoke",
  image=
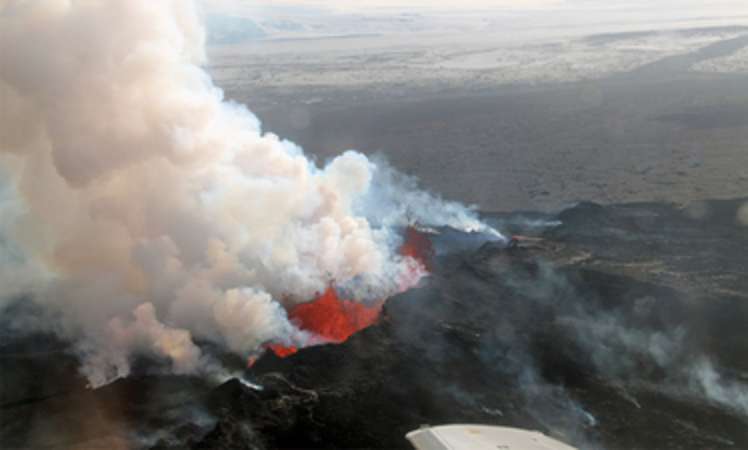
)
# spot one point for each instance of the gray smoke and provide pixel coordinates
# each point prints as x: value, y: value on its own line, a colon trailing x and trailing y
x: 145, y: 213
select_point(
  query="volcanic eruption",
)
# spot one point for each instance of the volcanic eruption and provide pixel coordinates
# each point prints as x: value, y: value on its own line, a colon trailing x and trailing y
x: 330, y: 319
x: 149, y: 216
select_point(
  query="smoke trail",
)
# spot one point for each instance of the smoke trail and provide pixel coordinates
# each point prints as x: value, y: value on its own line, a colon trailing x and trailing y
x: 718, y: 388
x: 160, y: 213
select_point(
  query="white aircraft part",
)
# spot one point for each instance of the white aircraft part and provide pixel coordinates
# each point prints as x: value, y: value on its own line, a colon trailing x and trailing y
x: 481, y: 437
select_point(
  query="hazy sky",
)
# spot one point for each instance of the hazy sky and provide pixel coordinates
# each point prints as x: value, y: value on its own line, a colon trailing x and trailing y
x: 662, y: 6
x: 540, y: 18
x: 418, y: 4
x: 360, y: 5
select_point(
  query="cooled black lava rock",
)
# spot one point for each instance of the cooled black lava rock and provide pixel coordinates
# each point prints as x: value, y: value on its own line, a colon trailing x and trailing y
x: 576, y: 335
x: 622, y: 327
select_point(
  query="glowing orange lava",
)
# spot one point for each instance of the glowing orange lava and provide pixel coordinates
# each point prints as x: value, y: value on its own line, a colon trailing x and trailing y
x: 333, y: 320
x: 281, y: 350
x: 330, y: 318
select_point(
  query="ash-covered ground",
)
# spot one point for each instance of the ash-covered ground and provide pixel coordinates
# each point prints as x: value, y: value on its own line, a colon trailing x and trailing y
x: 611, y: 118
x: 616, y: 327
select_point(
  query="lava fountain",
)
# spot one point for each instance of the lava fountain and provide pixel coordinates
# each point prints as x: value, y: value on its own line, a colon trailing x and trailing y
x: 330, y: 319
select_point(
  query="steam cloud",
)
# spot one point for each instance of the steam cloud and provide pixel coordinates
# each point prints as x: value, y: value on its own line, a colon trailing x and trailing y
x: 148, y: 215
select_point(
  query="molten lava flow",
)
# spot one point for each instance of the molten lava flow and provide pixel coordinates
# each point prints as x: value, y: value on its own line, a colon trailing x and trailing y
x: 281, y: 350
x: 333, y: 320
x: 418, y: 246
x: 330, y: 319
x: 419, y: 251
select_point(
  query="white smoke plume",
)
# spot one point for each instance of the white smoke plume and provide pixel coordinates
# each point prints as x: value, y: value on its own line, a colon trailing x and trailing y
x: 718, y: 388
x: 156, y: 214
